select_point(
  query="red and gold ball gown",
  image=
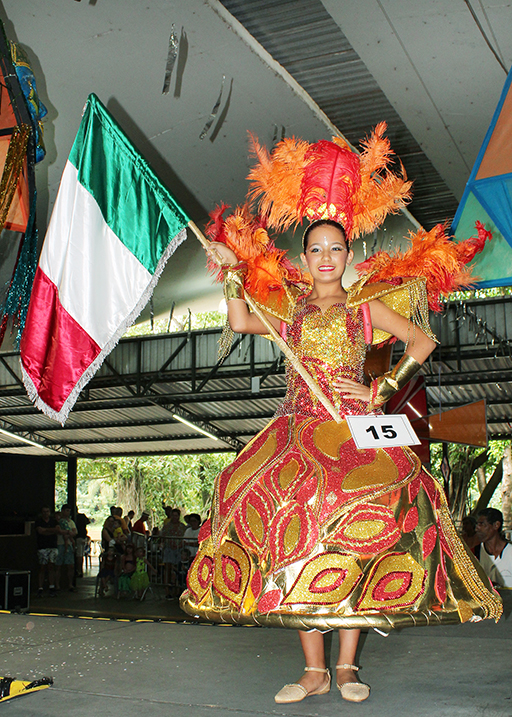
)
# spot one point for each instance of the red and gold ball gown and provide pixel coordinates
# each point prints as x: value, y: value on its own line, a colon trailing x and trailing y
x: 306, y: 531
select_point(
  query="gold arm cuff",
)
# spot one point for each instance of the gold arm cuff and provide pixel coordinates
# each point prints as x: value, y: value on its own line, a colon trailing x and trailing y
x: 233, y: 283
x: 385, y: 386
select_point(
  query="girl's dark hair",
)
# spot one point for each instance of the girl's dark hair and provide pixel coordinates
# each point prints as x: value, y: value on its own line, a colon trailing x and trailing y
x: 321, y: 223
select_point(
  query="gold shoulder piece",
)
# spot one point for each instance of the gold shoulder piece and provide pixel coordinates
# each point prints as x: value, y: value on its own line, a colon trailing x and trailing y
x: 409, y: 299
x: 283, y: 306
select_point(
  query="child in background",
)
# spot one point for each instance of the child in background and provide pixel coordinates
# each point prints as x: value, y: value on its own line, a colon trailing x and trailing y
x: 107, y: 574
x: 140, y: 580
x: 183, y: 567
x: 119, y: 535
x: 128, y: 564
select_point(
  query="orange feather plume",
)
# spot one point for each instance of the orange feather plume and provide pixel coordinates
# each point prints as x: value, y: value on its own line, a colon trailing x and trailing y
x: 432, y: 255
x: 276, y: 180
x: 382, y: 192
x: 268, y: 268
x: 376, y: 153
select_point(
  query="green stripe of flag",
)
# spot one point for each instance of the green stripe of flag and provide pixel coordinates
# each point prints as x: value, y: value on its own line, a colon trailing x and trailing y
x: 133, y: 201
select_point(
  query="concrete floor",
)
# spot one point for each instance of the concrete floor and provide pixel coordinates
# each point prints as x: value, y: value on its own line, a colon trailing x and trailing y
x: 83, y: 603
x: 128, y: 668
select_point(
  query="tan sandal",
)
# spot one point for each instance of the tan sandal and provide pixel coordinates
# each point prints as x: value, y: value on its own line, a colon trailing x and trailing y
x: 353, y: 691
x: 296, y: 692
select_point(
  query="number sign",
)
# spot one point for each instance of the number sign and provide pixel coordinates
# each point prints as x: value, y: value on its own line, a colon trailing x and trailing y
x: 382, y: 431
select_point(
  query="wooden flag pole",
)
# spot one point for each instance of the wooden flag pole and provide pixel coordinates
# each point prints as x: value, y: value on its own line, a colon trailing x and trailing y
x: 303, y: 373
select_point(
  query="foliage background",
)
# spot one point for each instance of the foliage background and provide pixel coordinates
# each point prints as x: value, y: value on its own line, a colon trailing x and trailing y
x: 459, y: 456
x: 186, y: 481
x: 143, y: 483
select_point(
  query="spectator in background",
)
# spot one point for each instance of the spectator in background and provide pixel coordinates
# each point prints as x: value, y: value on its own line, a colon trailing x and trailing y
x: 154, y: 546
x: 139, y: 581
x: 119, y: 535
x: 66, y: 546
x: 88, y: 552
x: 128, y: 565
x: 46, y: 538
x: 191, y: 533
x: 168, y: 513
x: 495, y: 551
x: 183, y: 567
x: 108, y: 570
x: 128, y: 518
x: 118, y: 515
x: 469, y: 535
x: 140, y: 531
x: 173, y: 527
x: 119, y: 538
x: 82, y: 521
x: 140, y: 525
x: 107, y: 533
x: 172, y: 535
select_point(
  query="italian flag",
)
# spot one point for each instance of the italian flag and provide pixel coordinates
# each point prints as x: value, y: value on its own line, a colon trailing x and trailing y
x: 112, y: 229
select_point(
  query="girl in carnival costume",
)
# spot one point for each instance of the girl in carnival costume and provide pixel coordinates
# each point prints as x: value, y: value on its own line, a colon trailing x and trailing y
x: 306, y: 531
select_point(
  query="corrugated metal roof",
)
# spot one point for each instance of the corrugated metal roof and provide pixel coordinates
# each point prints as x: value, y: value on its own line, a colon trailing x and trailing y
x: 307, y: 42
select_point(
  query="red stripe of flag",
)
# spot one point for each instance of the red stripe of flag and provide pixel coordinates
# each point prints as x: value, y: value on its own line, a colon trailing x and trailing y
x: 56, y: 351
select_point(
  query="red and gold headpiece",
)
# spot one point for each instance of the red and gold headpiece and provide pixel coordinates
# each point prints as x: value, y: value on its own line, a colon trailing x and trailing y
x: 327, y: 180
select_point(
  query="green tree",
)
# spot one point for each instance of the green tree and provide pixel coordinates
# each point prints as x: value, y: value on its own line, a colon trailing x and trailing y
x: 475, y: 473
x: 162, y: 325
x: 143, y: 483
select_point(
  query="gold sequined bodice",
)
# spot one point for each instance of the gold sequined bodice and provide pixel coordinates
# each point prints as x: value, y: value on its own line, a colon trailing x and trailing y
x: 330, y: 345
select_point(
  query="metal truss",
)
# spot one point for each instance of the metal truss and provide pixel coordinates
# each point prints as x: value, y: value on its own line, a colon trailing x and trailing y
x: 152, y: 382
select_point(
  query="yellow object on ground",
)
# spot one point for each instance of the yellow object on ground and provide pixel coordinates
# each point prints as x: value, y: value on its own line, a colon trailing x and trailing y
x: 10, y: 687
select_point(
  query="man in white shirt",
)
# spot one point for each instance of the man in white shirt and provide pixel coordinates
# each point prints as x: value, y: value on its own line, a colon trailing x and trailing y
x: 495, y: 551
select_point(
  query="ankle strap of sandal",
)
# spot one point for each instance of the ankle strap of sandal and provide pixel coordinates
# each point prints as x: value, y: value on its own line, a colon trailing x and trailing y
x: 316, y: 669
x: 347, y: 667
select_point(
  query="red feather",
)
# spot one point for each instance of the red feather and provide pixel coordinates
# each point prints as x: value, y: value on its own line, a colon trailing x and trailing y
x: 470, y: 247
x: 330, y: 179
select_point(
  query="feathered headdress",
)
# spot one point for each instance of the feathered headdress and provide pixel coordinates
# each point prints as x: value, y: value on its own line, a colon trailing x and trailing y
x: 327, y: 180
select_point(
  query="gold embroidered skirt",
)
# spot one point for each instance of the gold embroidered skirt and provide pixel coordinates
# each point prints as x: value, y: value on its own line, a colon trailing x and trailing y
x: 306, y: 531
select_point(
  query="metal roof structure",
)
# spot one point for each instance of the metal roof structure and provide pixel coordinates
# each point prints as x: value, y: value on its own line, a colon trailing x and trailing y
x: 310, y: 68
x: 432, y: 71
x: 149, y: 385
x: 318, y: 55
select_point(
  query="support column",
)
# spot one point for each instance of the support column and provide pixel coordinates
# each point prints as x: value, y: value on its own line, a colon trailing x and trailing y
x: 72, y: 485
